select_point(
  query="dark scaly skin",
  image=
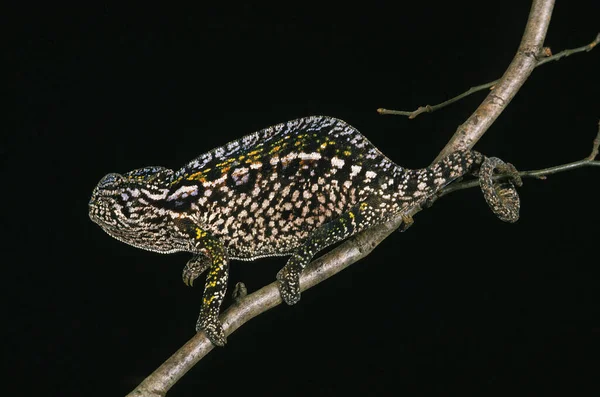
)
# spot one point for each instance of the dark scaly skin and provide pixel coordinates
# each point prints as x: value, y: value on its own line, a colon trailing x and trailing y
x: 291, y: 189
x: 501, y: 196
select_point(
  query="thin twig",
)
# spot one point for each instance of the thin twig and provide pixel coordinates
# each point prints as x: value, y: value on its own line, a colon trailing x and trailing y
x: 433, y: 108
x: 491, y: 84
x: 566, y: 53
x: 589, y: 161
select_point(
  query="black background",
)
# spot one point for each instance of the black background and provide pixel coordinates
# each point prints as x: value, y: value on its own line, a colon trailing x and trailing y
x: 460, y: 303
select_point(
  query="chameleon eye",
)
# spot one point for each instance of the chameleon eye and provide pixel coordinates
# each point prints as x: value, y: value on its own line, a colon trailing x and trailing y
x: 109, y: 180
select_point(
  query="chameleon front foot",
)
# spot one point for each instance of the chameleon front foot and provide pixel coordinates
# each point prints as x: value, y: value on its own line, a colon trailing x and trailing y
x: 213, y: 329
x: 194, y: 268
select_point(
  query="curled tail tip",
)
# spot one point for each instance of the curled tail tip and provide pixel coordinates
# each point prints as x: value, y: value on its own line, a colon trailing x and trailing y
x: 501, y: 195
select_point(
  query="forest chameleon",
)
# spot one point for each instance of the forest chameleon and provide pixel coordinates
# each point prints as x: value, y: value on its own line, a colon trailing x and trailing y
x: 291, y: 189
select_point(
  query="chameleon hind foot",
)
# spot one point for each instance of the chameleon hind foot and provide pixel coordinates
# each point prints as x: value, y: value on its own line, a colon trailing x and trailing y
x: 407, y: 221
x: 213, y: 329
x: 289, y: 284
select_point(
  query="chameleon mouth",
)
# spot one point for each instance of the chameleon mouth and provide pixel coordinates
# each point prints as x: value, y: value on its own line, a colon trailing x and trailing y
x: 99, y: 214
x: 92, y: 208
x: 95, y: 216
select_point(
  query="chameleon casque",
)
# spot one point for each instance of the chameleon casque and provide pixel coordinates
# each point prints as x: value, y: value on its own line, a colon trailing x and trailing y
x: 291, y: 190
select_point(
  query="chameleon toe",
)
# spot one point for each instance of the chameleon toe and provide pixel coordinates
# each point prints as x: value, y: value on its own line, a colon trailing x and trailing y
x: 289, y: 293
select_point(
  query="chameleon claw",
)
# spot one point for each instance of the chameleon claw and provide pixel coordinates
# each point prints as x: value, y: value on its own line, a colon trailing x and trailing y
x: 194, y: 268
x: 407, y: 221
x: 188, y: 279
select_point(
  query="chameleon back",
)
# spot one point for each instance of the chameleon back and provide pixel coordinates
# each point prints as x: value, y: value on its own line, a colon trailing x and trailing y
x: 264, y: 193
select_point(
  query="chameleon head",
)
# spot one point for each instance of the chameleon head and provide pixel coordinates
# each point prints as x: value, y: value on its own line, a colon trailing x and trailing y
x: 128, y: 208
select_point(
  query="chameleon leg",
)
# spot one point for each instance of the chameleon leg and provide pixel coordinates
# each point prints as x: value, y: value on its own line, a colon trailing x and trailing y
x: 347, y: 224
x: 214, y: 288
x: 194, y: 268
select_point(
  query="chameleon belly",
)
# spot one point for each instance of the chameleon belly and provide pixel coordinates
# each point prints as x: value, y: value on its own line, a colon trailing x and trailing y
x: 290, y: 189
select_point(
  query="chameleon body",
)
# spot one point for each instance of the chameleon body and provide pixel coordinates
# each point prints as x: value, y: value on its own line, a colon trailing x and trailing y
x: 291, y: 189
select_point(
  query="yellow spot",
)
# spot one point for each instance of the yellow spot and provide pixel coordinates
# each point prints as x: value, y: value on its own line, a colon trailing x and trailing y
x: 347, y: 152
x: 200, y: 233
x: 351, y: 215
x: 363, y: 206
x: 323, y: 145
x: 193, y: 176
x: 225, y: 163
x: 176, y: 181
x: 241, y: 157
x: 254, y: 152
x: 208, y: 300
x: 199, y: 176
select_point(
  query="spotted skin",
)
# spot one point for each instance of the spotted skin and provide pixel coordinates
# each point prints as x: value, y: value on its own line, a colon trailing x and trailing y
x: 292, y: 189
x: 501, y: 196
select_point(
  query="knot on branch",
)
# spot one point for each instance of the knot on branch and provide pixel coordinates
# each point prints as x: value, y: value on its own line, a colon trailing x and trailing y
x: 239, y: 292
x: 534, y: 52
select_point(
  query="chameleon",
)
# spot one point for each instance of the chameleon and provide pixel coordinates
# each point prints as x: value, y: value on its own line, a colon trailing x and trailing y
x: 291, y: 189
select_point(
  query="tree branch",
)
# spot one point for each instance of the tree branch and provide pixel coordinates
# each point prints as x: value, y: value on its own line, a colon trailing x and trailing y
x: 491, y: 84
x: 518, y: 71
